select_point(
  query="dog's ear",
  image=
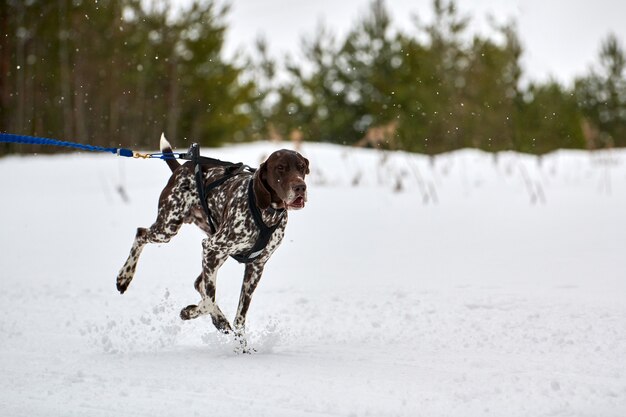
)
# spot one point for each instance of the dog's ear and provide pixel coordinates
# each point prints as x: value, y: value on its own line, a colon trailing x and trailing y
x: 262, y: 194
x: 306, y: 161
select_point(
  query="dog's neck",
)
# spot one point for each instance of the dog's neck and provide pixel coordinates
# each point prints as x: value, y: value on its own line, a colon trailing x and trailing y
x: 266, y: 197
x: 276, y: 202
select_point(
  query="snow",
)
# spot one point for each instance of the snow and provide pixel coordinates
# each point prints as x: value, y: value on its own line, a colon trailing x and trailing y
x: 463, y: 285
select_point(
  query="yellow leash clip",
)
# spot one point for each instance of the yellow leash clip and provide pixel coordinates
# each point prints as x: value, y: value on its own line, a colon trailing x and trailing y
x: 138, y: 155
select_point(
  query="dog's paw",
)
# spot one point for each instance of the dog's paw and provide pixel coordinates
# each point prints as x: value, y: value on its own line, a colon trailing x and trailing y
x: 189, y: 312
x: 244, y: 350
x: 242, y: 344
x: 122, y: 285
x: 221, y: 323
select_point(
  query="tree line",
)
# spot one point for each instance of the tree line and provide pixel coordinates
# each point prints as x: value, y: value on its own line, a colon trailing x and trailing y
x: 119, y: 72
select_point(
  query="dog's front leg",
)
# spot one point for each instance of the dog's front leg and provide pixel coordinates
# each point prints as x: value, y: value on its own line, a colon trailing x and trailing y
x: 251, y: 279
x: 213, y: 259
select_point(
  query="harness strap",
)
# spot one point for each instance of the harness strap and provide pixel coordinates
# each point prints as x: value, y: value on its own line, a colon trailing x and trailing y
x: 265, y: 231
x: 202, y: 196
x: 193, y: 154
x: 235, y: 170
x: 232, y: 170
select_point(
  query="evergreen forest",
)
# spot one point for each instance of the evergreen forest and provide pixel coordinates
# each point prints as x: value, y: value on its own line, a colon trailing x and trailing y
x: 117, y: 73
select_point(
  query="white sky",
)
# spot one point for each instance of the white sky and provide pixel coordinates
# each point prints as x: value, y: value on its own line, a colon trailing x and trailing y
x: 561, y: 38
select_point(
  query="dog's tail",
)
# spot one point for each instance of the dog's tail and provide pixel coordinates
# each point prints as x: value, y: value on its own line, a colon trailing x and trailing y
x: 166, y: 149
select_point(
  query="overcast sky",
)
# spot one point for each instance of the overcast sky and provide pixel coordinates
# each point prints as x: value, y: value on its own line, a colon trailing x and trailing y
x: 561, y: 38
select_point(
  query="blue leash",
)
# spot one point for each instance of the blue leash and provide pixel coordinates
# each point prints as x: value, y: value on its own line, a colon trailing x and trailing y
x: 192, y: 155
x: 33, y: 140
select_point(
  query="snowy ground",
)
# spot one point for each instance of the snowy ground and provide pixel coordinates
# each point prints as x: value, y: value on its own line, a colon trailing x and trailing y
x: 466, y: 285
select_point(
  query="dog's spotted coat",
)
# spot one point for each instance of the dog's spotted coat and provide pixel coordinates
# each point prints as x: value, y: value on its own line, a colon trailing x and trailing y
x: 278, y: 185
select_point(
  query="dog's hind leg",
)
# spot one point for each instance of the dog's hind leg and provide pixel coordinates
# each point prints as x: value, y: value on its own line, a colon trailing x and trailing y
x: 127, y: 272
x: 169, y: 220
x: 213, y: 259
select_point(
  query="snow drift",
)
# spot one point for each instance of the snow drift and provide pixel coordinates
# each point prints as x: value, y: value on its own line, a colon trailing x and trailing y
x: 463, y: 285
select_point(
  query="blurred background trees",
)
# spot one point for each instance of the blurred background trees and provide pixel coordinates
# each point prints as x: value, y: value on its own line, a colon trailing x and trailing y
x: 602, y: 97
x: 119, y: 72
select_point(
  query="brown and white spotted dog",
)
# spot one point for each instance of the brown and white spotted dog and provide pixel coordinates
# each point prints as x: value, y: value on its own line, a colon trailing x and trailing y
x: 278, y: 186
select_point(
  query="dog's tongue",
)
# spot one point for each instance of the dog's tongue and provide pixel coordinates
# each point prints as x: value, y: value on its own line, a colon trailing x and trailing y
x: 298, y: 203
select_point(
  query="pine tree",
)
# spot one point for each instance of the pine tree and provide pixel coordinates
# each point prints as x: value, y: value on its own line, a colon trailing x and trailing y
x: 602, y: 96
x: 118, y: 72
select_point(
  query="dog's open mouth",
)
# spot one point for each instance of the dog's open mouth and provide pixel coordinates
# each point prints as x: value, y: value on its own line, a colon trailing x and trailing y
x: 296, y: 204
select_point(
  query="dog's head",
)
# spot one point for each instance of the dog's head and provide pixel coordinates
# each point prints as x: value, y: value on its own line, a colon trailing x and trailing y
x: 280, y: 181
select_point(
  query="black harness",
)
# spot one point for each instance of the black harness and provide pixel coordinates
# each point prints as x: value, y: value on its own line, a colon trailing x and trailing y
x: 232, y: 170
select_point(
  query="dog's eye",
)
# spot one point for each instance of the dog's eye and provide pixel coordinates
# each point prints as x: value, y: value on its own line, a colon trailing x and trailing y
x: 280, y: 168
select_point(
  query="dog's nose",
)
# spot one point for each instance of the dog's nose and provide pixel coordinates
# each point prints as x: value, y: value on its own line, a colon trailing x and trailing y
x: 299, y: 188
